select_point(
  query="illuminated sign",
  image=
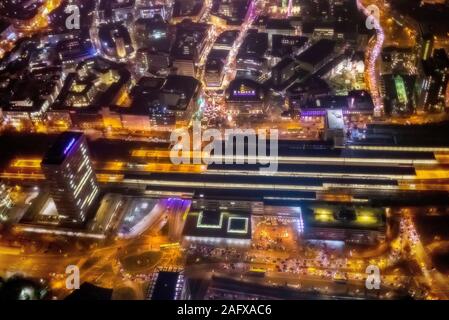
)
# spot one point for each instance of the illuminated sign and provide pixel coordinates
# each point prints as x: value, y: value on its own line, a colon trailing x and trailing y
x: 244, y: 91
x: 67, y: 148
x: 401, y: 90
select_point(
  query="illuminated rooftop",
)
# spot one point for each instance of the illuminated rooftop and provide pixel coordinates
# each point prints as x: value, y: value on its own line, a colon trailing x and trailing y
x: 61, y: 148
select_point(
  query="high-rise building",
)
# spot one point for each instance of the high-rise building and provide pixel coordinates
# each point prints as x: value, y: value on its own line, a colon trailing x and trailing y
x: 5, y: 202
x: 168, y: 285
x: 70, y: 175
x: 283, y: 72
x: 433, y: 86
x: 152, y: 32
x: 425, y: 42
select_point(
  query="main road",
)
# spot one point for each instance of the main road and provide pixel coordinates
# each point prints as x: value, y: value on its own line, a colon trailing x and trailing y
x: 372, y: 55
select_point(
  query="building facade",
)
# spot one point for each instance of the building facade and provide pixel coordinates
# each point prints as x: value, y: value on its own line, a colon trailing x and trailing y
x: 70, y: 175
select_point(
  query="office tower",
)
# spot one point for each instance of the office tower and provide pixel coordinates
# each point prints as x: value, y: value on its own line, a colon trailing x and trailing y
x: 5, y: 202
x: 68, y: 169
x: 433, y: 86
x: 425, y: 42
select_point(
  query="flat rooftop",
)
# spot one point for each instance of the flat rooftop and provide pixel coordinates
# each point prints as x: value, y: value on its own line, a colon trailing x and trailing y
x: 14, y: 145
x: 165, y: 286
x: 59, y: 150
x: 227, y: 38
x: 317, y: 52
x: 428, y: 135
x: 244, y: 90
x: 224, y: 224
x: 254, y: 45
x: 327, y: 216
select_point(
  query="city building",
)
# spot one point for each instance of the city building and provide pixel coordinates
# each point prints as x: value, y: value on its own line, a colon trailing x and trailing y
x: 338, y: 31
x: 5, y: 202
x: 228, y: 227
x: 20, y: 10
x: 398, y: 93
x: 283, y: 73
x: 156, y: 104
x: 6, y: 30
x: 251, y: 61
x: 334, y: 127
x: 285, y: 45
x: 149, y: 8
x: 168, y: 285
x: 355, y: 102
x: 189, y: 44
x: 312, y: 144
x: 214, y: 70
x: 152, y: 33
x: 116, y: 10
x: 26, y: 98
x: 399, y: 61
x: 317, y: 55
x: 95, y: 83
x: 307, y: 87
x: 178, y: 99
x: 73, y: 51
x: 229, y: 12
x: 153, y: 61
x: 225, y: 40
x: 137, y: 117
x: 359, y: 225
x: 245, y: 97
x: 273, y: 27
x: 433, y: 89
x: 115, y: 41
x: 380, y: 166
x: 57, y: 18
x: 425, y: 41
x: 69, y: 172
x: 191, y: 9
